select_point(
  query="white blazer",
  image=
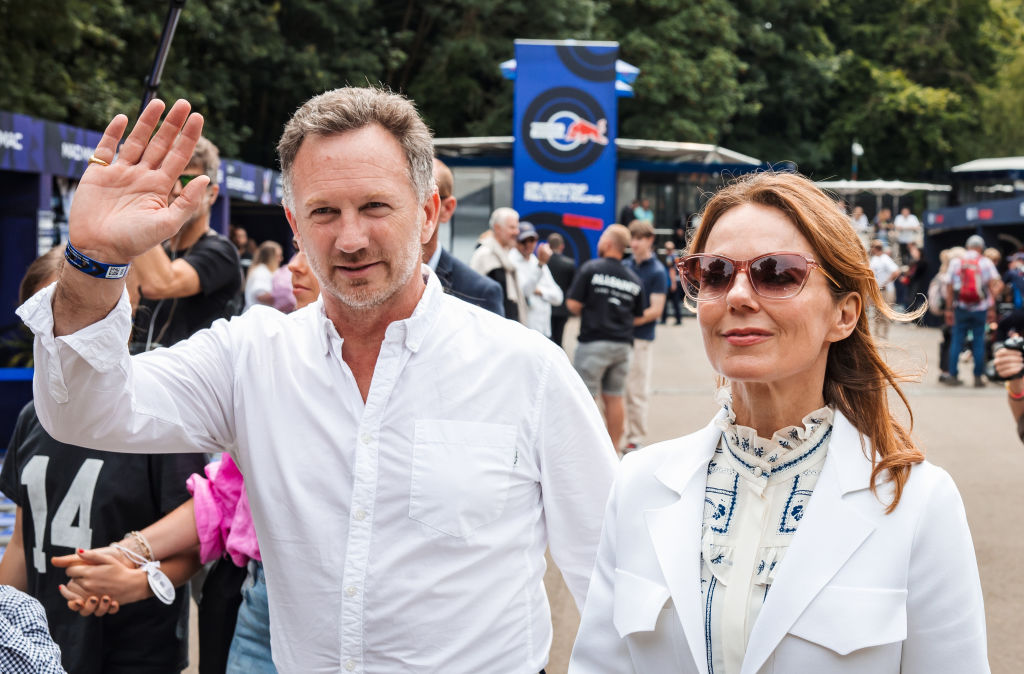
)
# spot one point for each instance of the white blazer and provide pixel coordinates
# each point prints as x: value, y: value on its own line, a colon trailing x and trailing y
x: 859, y: 591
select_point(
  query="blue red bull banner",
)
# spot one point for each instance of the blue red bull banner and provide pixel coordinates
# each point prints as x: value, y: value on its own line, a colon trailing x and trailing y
x: 565, y: 119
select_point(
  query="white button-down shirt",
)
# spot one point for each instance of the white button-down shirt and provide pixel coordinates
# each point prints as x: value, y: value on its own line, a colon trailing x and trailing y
x: 403, y: 534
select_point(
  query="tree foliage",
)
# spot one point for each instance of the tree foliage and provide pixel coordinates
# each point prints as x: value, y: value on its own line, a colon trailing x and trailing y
x: 921, y: 84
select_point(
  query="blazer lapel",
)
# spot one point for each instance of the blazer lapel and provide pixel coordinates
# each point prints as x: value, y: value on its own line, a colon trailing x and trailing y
x: 829, y: 534
x: 675, y: 532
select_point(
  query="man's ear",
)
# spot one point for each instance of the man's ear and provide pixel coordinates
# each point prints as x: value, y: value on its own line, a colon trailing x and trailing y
x: 431, y: 211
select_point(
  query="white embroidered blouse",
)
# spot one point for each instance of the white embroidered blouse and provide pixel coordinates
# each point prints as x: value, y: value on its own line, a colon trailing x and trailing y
x: 754, y: 500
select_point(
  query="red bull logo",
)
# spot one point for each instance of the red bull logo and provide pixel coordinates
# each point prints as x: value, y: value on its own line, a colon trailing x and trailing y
x: 566, y: 131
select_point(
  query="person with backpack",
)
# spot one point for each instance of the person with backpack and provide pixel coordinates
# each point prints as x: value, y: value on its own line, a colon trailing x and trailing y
x: 972, y: 283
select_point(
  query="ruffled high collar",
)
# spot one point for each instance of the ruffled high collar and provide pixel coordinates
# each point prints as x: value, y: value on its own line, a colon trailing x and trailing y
x: 786, y: 450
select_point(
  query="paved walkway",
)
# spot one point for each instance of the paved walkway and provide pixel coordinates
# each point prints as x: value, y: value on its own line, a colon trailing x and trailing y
x: 963, y: 430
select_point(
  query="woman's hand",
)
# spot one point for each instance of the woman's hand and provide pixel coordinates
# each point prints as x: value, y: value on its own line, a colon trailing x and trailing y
x: 101, y: 580
x: 121, y: 210
x: 87, y: 606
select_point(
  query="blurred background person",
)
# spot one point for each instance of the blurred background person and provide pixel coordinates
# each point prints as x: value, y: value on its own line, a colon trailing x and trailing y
x: 937, y: 306
x: 456, y: 277
x: 972, y: 284
x: 259, y: 283
x: 193, y: 278
x: 246, y: 247
x: 674, y: 298
x: 491, y: 259
x: 654, y: 278
x: 535, y: 280
x: 886, y: 272
x: 563, y: 271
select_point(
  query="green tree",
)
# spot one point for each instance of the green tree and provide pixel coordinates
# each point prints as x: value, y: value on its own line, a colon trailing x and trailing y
x: 688, y: 89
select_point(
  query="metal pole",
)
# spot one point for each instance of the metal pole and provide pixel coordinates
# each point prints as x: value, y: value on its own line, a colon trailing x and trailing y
x: 153, y: 79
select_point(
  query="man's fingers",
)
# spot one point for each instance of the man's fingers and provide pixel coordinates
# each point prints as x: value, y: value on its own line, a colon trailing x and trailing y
x: 107, y: 147
x: 184, y: 145
x: 158, y: 145
x: 133, y: 148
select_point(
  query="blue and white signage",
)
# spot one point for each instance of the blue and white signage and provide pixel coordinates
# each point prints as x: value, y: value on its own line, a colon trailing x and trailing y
x: 565, y: 120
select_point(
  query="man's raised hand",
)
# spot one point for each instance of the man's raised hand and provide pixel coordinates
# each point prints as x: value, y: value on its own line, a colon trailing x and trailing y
x: 121, y: 210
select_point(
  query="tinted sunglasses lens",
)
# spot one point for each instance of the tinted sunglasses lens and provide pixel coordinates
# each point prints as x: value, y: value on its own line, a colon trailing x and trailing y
x: 778, y: 276
x: 707, y: 276
x: 185, y: 180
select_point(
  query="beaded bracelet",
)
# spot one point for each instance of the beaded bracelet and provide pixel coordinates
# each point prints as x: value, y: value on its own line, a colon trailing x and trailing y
x: 1013, y: 396
x: 142, y: 543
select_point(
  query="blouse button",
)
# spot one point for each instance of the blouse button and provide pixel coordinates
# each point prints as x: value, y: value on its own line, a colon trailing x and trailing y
x: 757, y: 471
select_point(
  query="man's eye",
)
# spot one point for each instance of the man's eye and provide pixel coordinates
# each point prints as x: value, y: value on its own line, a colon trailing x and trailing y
x: 323, y: 210
x: 375, y: 204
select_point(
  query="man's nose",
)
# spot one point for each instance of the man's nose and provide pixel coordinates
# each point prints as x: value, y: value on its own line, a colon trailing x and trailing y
x: 351, y: 236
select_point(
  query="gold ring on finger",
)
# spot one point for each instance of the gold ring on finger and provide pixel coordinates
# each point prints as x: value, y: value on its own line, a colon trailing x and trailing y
x: 96, y: 160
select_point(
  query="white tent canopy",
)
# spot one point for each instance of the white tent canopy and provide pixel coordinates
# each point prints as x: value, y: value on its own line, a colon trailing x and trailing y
x: 896, y: 188
x: 880, y: 188
x: 991, y: 164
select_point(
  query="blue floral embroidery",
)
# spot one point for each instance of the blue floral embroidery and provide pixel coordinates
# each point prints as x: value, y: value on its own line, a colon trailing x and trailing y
x: 758, y: 451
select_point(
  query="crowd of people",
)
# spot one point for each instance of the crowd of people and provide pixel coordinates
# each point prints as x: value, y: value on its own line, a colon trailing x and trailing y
x: 397, y: 452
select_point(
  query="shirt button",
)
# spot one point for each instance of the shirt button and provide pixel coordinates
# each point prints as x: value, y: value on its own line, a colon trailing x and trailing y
x: 360, y: 515
x: 366, y: 438
x: 351, y: 591
x: 757, y: 471
x: 350, y: 665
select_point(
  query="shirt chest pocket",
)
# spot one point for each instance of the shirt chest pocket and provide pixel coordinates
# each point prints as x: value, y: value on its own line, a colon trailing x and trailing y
x: 460, y: 474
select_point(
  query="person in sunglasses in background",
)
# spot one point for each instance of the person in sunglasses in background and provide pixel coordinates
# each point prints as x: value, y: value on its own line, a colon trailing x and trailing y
x: 195, y: 277
x: 801, y: 530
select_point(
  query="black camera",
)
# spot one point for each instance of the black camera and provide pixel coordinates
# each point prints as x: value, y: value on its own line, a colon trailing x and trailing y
x: 1016, y: 343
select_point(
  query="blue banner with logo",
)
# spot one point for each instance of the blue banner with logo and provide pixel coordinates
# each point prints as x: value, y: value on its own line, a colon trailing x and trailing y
x: 565, y: 120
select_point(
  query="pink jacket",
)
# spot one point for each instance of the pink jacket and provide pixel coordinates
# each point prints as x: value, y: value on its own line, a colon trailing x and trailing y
x: 223, y: 519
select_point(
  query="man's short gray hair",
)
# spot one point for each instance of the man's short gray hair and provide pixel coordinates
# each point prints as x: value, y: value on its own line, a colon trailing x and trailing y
x: 352, y: 108
x: 207, y: 156
x: 502, y: 214
x: 976, y: 242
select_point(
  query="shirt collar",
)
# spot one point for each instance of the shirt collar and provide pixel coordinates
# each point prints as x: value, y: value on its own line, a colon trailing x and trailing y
x: 412, y: 330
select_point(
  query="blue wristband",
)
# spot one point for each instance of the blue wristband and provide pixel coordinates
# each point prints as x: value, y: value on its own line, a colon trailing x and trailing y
x: 89, y: 266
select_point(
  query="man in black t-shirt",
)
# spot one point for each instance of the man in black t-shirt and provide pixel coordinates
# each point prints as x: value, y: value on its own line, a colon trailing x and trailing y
x: 607, y: 297
x: 68, y: 498
x: 194, y: 278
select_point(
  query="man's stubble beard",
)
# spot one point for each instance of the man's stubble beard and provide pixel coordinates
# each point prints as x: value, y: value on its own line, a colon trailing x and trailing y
x: 357, y: 295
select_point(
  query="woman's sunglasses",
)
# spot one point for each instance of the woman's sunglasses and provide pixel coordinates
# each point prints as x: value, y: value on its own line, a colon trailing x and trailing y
x: 774, y: 276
